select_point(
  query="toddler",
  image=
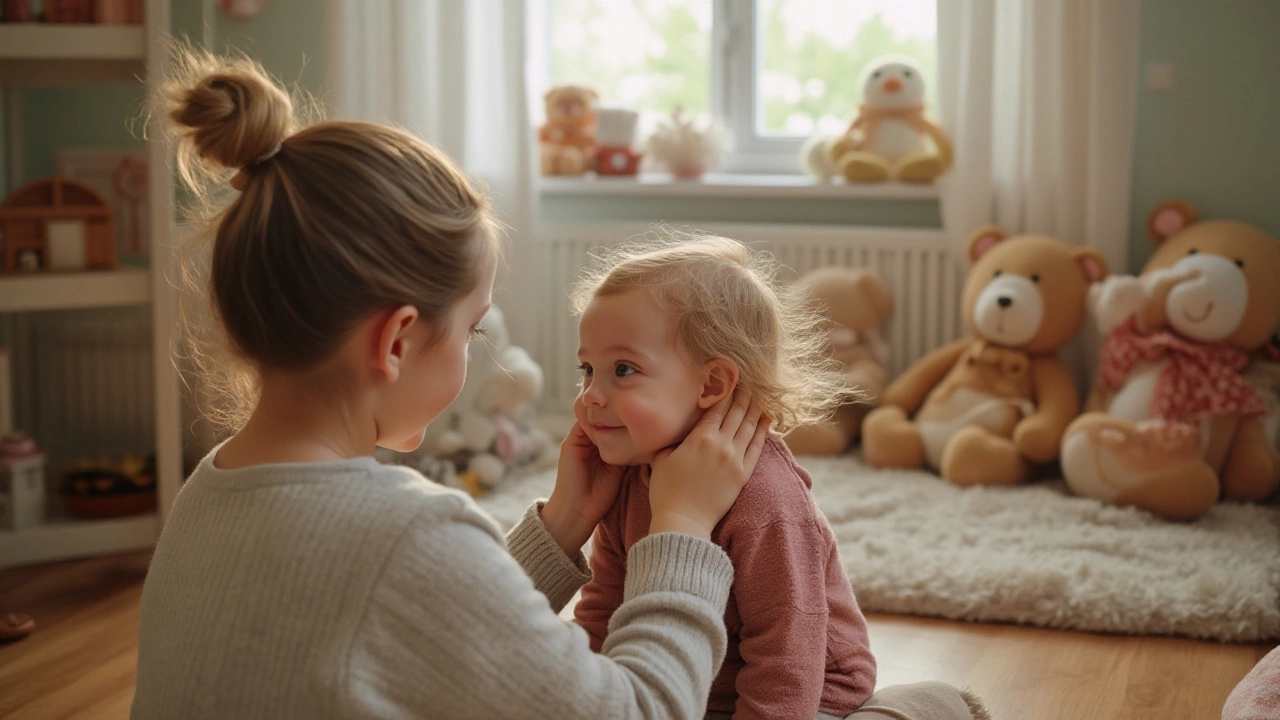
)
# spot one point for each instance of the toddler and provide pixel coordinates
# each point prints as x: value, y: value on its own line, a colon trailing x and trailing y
x: 667, y: 328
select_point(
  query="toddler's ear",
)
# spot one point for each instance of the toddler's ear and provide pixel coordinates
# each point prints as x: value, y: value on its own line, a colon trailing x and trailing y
x: 719, y: 379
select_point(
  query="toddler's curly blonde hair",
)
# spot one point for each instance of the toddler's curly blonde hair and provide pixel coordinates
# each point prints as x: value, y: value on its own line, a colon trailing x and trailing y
x: 728, y: 303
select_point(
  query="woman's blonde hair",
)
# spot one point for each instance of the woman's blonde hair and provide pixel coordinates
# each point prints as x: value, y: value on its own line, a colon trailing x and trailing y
x: 332, y: 222
x: 727, y: 303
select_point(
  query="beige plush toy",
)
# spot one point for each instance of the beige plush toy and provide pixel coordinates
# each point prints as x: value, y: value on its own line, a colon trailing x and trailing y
x: 890, y: 139
x: 567, y: 140
x: 991, y: 408
x: 1173, y: 423
x: 857, y: 304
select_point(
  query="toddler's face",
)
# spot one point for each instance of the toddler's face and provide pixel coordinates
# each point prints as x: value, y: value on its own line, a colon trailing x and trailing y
x: 640, y: 390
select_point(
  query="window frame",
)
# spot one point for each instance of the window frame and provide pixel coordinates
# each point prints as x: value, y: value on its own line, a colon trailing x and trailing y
x: 735, y: 66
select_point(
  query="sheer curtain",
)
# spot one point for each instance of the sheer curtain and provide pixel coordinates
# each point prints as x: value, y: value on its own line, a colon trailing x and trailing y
x: 453, y: 73
x: 1040, y: 97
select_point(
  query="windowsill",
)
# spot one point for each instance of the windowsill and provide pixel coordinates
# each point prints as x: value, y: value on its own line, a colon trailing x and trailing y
x: 733, y: 185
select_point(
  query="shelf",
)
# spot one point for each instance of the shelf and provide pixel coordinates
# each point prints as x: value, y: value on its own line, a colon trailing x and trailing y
x: 51, y: 53
x: 53, y: 41
x: 74, y: 290
x: 733, y: 185
x: 65, y: 538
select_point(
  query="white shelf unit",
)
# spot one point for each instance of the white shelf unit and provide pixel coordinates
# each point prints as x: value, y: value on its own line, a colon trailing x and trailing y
x: 34, y: 54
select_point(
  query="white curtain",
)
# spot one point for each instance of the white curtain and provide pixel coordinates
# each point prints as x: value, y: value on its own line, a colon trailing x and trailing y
x: 452, y: 72
x: 1040, y: 99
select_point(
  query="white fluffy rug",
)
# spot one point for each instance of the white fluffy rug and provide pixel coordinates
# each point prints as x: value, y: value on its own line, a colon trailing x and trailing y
x: 914, y: 544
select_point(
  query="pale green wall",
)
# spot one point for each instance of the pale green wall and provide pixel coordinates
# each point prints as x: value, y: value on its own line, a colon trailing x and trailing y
x: 1214, y: 137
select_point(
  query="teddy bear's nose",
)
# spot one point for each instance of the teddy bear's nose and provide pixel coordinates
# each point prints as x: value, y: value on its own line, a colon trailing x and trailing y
x: 1004, y: 301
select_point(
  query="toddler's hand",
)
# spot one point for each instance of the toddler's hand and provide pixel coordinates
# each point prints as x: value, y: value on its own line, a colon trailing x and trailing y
x: 694, y: 485
x: 586, y: 487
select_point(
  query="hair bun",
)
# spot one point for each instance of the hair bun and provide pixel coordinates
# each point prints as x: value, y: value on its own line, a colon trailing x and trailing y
x: 232, y: 114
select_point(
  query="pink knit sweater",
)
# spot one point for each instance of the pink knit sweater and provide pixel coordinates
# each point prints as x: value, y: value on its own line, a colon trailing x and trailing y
x: 797, y: 640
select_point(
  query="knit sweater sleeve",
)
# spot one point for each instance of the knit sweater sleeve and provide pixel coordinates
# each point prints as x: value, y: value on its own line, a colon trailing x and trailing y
x: 454, y: 627
x: 603, y: 594
x: 553, y: 573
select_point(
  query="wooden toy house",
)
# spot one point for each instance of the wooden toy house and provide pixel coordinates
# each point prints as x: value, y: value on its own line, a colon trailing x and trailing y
x: 56, y: 224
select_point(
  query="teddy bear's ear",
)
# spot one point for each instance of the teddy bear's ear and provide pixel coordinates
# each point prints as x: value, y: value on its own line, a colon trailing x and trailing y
x: 1169, y: 219
x: 1094, y: 267
x: 875, y: 293
x: 982, y: 241
x: 594, y: 95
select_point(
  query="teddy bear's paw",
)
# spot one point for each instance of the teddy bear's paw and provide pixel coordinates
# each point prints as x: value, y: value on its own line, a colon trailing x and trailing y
x: 1179, y: 493
x: 1252, y: 473
x: 863, y: 167
x: 1115, y: 300
x: 890, y: 440
x: 1175, y: 441
x: 976, y: 456
x: 919, y: 168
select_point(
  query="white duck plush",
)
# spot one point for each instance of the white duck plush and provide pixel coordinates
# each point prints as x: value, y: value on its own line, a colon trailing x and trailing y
x: 890, y: 139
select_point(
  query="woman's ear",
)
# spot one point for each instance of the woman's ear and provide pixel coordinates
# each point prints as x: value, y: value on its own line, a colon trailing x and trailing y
x: 719, y: 379
x: 391, y: 341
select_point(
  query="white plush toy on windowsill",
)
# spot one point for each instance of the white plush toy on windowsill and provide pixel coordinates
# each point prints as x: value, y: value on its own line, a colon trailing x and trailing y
x: 491, y: 427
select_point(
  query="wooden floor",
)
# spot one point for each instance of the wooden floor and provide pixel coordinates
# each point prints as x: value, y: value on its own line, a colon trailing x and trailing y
x: 80, y: 661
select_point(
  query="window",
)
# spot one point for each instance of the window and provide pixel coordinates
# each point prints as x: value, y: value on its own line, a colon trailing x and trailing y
x: 774, y: 71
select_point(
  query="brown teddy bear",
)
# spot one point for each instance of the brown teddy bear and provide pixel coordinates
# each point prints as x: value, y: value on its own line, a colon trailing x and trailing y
x: 1173, y: 423
x: 990, y: 408
x: 567, y: 140
x: 856, y: 304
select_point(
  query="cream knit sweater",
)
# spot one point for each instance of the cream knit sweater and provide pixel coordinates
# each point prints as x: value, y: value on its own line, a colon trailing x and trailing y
x: 356, y: 590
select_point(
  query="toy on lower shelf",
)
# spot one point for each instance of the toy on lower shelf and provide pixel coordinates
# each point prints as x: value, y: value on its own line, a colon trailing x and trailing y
x: 105, y: 488
x: 22, y: 489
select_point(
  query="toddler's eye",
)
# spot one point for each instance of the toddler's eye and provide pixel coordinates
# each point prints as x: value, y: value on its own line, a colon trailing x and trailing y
x: 585, y: 369
x: 623, y: 370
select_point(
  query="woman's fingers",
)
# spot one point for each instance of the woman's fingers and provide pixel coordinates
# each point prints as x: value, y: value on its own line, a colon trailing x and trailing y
x: 746, y: 429
x: 737, y: 409
x: 756, y: 447
x: 714, y: 416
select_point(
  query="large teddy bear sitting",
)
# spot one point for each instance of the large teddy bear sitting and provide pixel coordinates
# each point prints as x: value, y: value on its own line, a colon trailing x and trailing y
x: 1173, y: 422
x: 990, y: 408
x: 856, y: 303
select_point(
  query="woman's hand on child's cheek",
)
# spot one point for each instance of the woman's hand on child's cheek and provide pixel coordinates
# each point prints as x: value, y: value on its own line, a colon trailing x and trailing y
x: 693, y: 486
x: 586, y: 487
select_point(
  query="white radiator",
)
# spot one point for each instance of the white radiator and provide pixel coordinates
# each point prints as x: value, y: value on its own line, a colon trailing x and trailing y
x: 92, y: 392
x: 916, y: 264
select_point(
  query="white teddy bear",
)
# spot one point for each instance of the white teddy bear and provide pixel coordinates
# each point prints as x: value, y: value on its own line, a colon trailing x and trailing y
x: 492, y: 426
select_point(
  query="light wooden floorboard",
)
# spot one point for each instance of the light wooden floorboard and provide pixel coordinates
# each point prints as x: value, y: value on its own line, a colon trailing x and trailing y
x: 80, y: 662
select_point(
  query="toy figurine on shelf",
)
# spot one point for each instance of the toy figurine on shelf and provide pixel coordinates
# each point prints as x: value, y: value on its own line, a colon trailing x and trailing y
x: 22, y: 489
x: 57, y: 223
x: 689, y: 146
x: 616, y: 133
x: 105, y: 488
